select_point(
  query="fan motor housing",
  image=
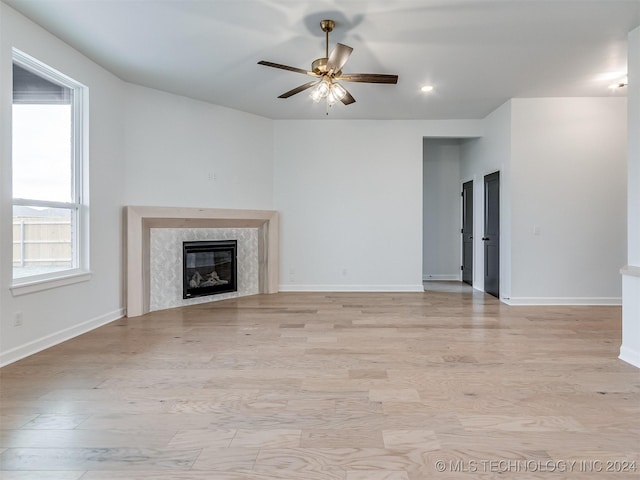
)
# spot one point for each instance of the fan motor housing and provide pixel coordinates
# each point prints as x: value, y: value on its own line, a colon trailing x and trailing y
x: 319, y: 65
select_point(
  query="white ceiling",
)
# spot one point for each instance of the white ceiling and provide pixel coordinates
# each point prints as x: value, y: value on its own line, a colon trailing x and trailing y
x: 476, y: 53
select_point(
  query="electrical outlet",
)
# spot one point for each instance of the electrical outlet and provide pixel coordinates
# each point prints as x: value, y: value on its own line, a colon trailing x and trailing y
x: 17, y: 319
x: 344, y: 272
x: 211, y: 176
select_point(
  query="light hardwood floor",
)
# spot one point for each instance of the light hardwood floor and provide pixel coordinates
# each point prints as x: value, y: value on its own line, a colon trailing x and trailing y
x: 316, y: 386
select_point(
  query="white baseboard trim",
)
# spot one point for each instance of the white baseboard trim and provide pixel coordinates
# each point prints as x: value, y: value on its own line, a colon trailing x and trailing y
x: 50, y: 340
x: 563, y: 301
x: 351, y: 288
x: 630, y: 356
x: 443, y: 278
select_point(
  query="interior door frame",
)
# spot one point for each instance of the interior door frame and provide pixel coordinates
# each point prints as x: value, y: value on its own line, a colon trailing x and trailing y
x: 499, y: 173
x: 478, y: 223
x: 473, y: 180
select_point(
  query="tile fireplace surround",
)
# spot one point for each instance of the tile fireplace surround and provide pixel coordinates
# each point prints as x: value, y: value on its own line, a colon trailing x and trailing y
x: 140, y: 221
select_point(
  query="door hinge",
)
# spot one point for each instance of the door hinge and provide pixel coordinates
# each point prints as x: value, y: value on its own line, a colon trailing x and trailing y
x: 461, y: 267
x: 462, y: 230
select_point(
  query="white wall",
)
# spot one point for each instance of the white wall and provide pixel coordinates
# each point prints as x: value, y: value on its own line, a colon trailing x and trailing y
x: 141, y: 142
x: 186, y: 153
x: 54, y: 315
x: 479, y: 157
x: 630, y: 349
x: 562, y: 170
x: 569, y: 181
x: 441, y: 248
x: 349, y: 195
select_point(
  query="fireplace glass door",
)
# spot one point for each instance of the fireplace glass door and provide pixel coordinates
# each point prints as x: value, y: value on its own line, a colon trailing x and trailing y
x: 209, y: 268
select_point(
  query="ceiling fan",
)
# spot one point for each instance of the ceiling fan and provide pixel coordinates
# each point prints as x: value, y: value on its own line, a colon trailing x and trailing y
x: 328, y: 70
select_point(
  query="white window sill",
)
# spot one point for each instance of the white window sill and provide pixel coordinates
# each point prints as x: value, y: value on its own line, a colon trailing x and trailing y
x: 32, y: 285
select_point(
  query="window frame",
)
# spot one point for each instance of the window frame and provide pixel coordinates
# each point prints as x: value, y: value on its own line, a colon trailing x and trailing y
x: 79, y: 270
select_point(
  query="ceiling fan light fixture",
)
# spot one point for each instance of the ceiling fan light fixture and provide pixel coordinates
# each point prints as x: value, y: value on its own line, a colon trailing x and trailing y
x: 338, y: 91
x: 332, y: 99
x: 315, y: 94
x: 321, y: 90
x: 327, y: 70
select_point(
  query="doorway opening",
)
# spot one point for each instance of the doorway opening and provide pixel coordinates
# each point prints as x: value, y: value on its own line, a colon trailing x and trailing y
x: 441, y: 209
x: 467, y: 232
x: 491, y: 237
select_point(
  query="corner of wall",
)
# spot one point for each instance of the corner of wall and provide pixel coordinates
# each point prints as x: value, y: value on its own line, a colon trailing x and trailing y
x: 630, y: 347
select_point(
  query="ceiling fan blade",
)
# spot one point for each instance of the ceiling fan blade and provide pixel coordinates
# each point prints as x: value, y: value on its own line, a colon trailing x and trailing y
x: 338, y: 57
x: 286, y: 67
x: 369, y: 78
x: 348, y: 99
x: 297, y: 90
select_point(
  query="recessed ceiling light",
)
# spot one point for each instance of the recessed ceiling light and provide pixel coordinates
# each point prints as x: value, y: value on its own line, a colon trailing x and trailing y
x: 427, y: 88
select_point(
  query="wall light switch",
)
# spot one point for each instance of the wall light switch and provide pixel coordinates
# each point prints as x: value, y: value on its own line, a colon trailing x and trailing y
x: 536, y: 230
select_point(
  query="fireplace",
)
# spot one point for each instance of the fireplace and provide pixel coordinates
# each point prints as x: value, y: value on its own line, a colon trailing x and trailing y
x: 209, y: 268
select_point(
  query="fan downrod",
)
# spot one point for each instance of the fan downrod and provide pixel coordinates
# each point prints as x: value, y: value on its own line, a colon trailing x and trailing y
x: 319, y: 66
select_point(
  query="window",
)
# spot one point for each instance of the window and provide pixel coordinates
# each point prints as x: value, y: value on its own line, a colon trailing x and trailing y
x: 49, y: 214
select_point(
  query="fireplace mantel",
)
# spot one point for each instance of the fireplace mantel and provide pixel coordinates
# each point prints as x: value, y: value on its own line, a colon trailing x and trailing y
x: 140, y: 220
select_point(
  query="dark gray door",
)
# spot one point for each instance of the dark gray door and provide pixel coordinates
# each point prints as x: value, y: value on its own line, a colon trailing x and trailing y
x: 467, y: 232
x: 491, y: 237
